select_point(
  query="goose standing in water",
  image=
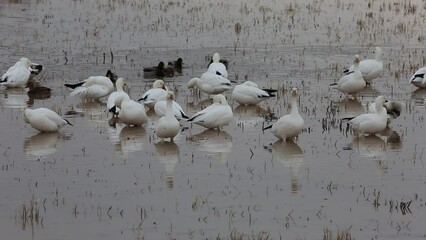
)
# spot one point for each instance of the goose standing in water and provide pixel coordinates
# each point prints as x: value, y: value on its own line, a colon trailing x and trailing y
x: 94, y: 87
x: 119, y: 84
x: 44, y: 120
x: 216, y: 115
x: 352, y: 83
x: 290, y: 125
x: 17, y: 76
x: 129, y: 112
x: 168, y: 126
x: 160, y: 108
x: 370, y: 68
x: 152, y: 95
x: 249, y: 93
x: 418, y: 79
x: 217, y: 67
x: 210, y: 83
x: 371, y: 123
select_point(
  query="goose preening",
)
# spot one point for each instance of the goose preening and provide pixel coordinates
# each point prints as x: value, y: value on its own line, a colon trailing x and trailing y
x: 210, y: 83
x: 371, y: 123
x: 218, y: 67
x: 160, y: 108
x: 17, y: 76
x: 129, y: 112
x: 119, y: 84
x: 44, y: 120
x: 351, y: 83
x: 249, y: 93
x: 370, y: 68
x: 152, y: 95
x: 94, y: 87
x: 216, y: 115
x: 168, y: 126
x: 393, y: 109
x: 418, y: 79
x: 290, y: 125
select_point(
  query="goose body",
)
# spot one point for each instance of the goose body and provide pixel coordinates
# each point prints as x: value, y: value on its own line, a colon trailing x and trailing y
x: 129, y: 112
x: 160, y: 108
x: 117, y: 94
x: 17, y: 76
x: 216, y: 115
x: 44, y: 120
x: 210, y: 83
x: 93, y: 88
x: 352, y: 83
x: 218, y: 67
x: 371, y: 123
x: 168, y: 126
x: 370, y: 68
x: 151, y: 96
x: 249, y: 93
x: 290, y: 125
x: 418, y: 79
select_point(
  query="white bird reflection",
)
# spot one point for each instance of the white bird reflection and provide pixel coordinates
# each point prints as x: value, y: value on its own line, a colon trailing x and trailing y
x: 168, y: 154
x: 290, y: 155
x: 372, y: 147
x: 127, y: 139
x: 95, y: 112
x: 218, y: 144
x: 350, y: 107
x: 43, y: 145
x: 249, y: 115
x: 14, y: 98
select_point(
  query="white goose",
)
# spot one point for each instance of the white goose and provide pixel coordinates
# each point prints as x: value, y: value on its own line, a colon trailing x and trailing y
x: 17, y: 75
x: 119, y: 93
x: 217, y: 67
x: 210, y: 83
x: 370, y: 68
x: 160, y: 108
x: 249, y: 93
x: 352, y: 83
x: 44, y: 120
x: 393, y: 109
x: 152, y: 95
x: 94, y: 87
x: 290, y: 125
x: 371, y: 123
x: 129, y: 112
x: 168, y: 126
x: 418, y: 79
x: 216, y: 115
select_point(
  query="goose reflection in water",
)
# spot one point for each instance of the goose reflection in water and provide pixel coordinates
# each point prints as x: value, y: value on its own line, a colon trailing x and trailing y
x: 168, y: 154
x: 372, y: 147
x: 349, y: 107
x: 290, y: 155
x: 217, y: 144
x: 95, y: 112
x: 43, y: 145
x: 14, y: 98
x: 250, y: 114
x: 128, y: 139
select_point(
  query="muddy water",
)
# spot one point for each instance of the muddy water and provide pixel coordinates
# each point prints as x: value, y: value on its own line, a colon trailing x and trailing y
x: 96, y: 180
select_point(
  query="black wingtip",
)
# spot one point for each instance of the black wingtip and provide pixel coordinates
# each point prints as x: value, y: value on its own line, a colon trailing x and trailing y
x: 268, y: 127
x: 3, y: 80
x: 346, y: 71
x: 74, y: 86
x: 113, y: 110
x: 183, y: 115
x: 348, y: 118
x: 333, y: 84
x: 68, y: 122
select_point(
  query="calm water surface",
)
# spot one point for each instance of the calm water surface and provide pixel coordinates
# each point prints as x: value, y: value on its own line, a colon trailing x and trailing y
x: 99, y: 181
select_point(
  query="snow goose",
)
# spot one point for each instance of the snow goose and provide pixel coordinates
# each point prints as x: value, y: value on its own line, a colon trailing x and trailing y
x: 152, y: 95
x: 371, y: 123
x: 370, y: 68
x: 216, y: 115
x: 290, y: 125
x: 17, y: 75
x: 249, y: 93
x: 352, y: 83
x: 217, y: 67
x: 44, y: 120
x: 129, y: 112
x: 418, y: 79
x: 120, y: 92
x: 94, y: 87
x: 168, y: 126
x: 168, y: 154
x: 393, y: 109
x: 210, y: 83
x: 160, y: 108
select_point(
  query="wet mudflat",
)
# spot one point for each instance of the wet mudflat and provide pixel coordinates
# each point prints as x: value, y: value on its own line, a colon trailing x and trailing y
x: 99, y: 180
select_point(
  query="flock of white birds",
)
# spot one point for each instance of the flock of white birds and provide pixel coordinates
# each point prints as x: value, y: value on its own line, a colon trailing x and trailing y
x: 213, y: 82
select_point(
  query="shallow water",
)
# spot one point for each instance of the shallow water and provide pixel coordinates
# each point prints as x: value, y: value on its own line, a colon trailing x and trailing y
x: 93, y: 180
